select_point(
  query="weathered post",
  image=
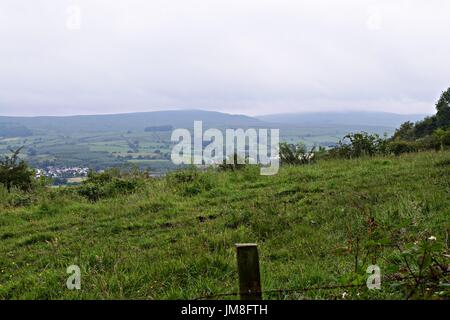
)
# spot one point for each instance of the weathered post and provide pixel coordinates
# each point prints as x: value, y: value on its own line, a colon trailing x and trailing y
x: 248, y: 270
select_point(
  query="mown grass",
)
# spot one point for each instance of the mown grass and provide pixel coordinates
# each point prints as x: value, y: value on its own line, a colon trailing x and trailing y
x: 174, y: 238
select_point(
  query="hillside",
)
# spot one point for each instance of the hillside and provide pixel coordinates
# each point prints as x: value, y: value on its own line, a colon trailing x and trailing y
x: 316, y: 225
x: 131, y: 121
x: 103, y: 141
x: 185, y: 119
x: 354, y: 118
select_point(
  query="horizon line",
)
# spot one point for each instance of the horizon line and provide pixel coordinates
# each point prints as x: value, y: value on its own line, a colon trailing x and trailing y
x: 212, y: 111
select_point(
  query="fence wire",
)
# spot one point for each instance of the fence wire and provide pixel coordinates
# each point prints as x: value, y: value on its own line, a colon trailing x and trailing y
x: 307, y: 289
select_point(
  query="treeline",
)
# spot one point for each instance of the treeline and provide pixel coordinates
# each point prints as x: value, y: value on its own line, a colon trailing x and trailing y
x: 159, y: 128
x: 409, y: 131
x: 430, y: 133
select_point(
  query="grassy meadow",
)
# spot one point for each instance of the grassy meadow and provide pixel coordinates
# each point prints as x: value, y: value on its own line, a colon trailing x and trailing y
x: 173, y: 237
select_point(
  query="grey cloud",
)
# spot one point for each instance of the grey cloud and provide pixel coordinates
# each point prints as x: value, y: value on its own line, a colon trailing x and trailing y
x: 247, y: 56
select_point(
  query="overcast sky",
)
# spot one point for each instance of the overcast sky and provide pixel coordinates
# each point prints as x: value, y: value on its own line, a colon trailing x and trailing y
x: 61, y: 57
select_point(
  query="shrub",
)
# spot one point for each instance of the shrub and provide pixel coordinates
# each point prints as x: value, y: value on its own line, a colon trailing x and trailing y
x: 398, y: 147
x: 15, y: 173
x: 442, y: 137
x: 291, y: 153
x: 236, y: 164
x: 190, y: 182
x: 14, y: 197
x: 91, y: 191
x: 182, y: 176
x: 359, y: 144
x: 108, y: 184
x: 103, y: 177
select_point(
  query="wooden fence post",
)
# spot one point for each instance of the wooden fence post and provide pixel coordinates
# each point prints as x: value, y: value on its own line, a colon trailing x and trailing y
x: 248, y: 269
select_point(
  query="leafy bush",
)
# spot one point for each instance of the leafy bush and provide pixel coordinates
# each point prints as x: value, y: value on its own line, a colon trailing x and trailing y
x: 15, y: 173
x: 91, y: 191
x: 14, y: 197
x: 426, y: 267
x: 359, y: 144
x: 108, y: 184
x: 439, y: 140
x: 442, y: 137
x: 103, y: 177
x: 426, y: 143
x: 190, y: 182
x: 398, y: 147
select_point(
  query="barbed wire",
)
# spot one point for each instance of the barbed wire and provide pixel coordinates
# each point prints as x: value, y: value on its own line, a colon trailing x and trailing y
x: 419, y: 280
x: 306, y: 289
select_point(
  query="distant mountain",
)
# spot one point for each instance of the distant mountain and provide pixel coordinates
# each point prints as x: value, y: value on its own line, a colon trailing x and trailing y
x: 133, y: 121
x: 378, y: 119
x: 307, y: 122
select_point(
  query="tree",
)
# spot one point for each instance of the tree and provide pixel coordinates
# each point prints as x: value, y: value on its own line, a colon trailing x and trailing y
x: 362, y: 143
x: 426, y: 127
x: 443, y: 110
x: 15, y: 172
x: 440, y: 135
x: 405, y: 132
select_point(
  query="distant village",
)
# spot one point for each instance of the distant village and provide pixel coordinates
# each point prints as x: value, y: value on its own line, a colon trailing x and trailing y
x: 58, y: 172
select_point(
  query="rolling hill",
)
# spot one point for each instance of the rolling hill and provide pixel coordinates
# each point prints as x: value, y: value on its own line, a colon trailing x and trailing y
x: 103, y: 141
x: 377, y: 119
x: 131, y: 121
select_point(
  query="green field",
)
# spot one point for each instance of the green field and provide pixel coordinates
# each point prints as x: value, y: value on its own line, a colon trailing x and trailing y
x: 95, y: 150
x: 149, y: 150
x: 104, y: 141
x: 173, y: 237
